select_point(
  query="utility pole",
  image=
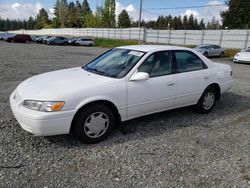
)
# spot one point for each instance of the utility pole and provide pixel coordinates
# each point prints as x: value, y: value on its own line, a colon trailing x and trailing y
x: 140, y: 21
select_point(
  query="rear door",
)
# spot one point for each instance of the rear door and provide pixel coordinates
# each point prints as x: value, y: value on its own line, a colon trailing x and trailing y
x: 191, y: 76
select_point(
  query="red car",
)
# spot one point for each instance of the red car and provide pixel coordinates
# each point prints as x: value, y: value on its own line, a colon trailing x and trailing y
x: 19, y: 38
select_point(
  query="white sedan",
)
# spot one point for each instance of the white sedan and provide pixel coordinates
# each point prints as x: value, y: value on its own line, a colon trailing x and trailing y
x: 124, y: 83
x: 242, y: 57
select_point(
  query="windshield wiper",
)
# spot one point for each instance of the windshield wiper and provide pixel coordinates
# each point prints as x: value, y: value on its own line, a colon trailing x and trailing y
x: 97, y: 71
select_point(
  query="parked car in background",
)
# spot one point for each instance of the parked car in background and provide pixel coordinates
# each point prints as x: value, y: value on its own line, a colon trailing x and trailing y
x: 8, y: 35
x: 46, y: 39
x: 20, y: 38
x: 84, y: 42
x: 39, y: 39
x: 72, y: 41
x: 243, y: 56
x: 34, y: 37
x: 2, y: 35
x: 57, y: 40
x: 122, y: 84
x: 210, y: 50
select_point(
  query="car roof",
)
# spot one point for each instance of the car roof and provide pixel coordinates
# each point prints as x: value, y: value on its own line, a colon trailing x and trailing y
x: 149, y: 48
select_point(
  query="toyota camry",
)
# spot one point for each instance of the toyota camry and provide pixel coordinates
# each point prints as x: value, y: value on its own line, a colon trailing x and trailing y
x: 123, y: 83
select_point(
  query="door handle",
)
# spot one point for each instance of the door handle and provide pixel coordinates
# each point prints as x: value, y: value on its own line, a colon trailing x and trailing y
x: 206, y: 78
x: 171, y: 83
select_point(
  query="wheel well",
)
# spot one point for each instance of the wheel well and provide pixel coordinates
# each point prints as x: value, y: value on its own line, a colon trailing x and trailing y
x: 217, y: 89
x: 103, y: 102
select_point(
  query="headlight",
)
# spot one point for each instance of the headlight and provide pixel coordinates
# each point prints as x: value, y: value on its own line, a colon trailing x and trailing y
x: 43, y: 106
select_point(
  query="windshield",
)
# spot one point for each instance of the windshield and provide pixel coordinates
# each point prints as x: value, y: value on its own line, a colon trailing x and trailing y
x: 247, y: 50
x: 115, y: 63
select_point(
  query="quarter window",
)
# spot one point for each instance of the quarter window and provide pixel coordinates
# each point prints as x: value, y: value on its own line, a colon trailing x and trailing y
x: 187, y: 61
x: 157, y: 64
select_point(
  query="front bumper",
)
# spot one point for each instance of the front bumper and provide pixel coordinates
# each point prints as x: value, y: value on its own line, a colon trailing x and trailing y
x: 40, y: 123
x: 241, y: 60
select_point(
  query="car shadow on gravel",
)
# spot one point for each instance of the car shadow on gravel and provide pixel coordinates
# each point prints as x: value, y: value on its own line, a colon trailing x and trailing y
x: 156, y: 124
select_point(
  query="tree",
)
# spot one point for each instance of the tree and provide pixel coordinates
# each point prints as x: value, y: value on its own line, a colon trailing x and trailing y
x: 72, y: 16
x: 185, y: 22
x: 91, y: 21
x: 238, y: 14
x: 31, y: 23
x: 124, y: 20
x: 191, y: 22
x: 85, y: 10
x: 108, y: 14
x: 42, y: 19
x: 61, y: 13
x: 202, y: 24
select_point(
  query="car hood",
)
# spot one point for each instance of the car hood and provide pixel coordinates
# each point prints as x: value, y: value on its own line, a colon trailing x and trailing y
x: 57, y: 85
x: 244, y: 54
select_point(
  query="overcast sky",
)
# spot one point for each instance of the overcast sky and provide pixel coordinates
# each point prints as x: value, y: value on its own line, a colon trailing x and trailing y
x: 22, y: 9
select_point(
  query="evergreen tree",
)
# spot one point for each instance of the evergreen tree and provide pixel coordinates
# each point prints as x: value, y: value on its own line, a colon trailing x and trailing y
x: 108, y: 14
x: 85, y: 10
x: 42, y: 19
x: 124, y: 20
x: 185, y: 22
x: 238, y: 14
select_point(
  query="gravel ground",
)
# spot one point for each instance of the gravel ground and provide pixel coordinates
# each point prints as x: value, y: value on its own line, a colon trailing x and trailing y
x: 178, y: 148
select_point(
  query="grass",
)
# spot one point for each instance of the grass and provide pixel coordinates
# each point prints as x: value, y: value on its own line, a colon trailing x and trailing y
x: 230, y: 52
x: 111, y: 43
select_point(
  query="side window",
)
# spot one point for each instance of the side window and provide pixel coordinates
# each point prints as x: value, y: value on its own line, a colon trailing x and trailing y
x: 157, y: 64
x: 187, y: 61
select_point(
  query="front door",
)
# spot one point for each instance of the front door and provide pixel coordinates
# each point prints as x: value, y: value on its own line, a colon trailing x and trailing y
x: 158, y: 92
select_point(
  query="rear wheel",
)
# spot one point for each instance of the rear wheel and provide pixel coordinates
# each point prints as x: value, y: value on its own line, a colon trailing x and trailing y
x: 207, y: 101
x: 94, y: 124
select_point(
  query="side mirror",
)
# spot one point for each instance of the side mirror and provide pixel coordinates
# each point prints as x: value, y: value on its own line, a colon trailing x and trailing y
x: 139, y: 76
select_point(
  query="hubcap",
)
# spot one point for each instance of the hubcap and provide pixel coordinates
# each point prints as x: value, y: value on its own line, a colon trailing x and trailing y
x: 96, y: 124
x: 208, y: 101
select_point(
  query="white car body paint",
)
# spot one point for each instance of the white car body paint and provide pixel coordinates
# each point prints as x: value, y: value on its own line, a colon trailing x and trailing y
x: 242, y: 57
x: 77, y: 87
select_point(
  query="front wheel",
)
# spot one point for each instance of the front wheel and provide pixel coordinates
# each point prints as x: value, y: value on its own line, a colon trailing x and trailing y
x: 222, y: 54
x: 94, y: 124
x: 205, y: 54
x: 207, y: 101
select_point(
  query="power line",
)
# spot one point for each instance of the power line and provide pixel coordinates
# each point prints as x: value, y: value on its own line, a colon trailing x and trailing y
x: 199, y: 6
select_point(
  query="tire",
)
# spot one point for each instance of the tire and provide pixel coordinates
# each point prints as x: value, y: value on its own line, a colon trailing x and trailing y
x: 221, y: 54
x: 205, y: 54
x: 101, y: 116
x: 207, y: 101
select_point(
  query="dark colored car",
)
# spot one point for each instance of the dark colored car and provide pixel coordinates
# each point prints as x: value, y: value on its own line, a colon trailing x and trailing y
x: 45, y: 39
x: 20, y: 38
x: 72, y: 41
x: 39, y: 39
x: 58, y: 40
